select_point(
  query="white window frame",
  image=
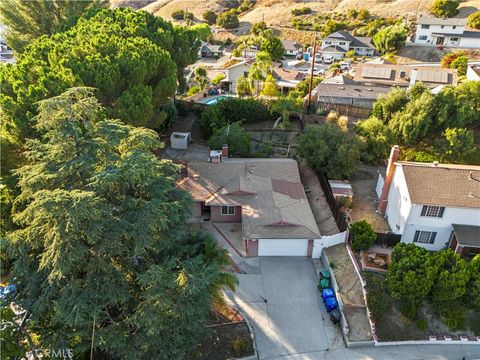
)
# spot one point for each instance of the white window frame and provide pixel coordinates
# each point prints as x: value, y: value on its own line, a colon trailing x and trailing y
x: 432, y: 211
x: 424, y: 237
x: 423, y: 37
x: 225, y: 210
x: 425, y: 26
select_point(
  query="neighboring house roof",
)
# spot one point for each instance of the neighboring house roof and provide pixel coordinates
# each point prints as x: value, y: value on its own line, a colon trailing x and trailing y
x: 274, y: 204
x: 356, y: 42
x: 333, y: 48
x: 391, y: 74
x: 212, y: 48
x: 465, y: 34
x: 338, y: 79
x: 443, y: 184
x: 350, y: 91
x: 288, y: 75
x: 291, y: 45
x: 467, y: 235
x: 422, y: 20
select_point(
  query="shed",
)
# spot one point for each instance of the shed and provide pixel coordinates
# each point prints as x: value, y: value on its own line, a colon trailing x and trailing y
x: 180, y: 140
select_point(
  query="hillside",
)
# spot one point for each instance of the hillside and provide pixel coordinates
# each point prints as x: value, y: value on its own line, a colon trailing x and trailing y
x: 278, y: 12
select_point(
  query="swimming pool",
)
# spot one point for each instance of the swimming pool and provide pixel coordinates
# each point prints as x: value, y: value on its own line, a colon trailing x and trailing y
x: 215, y: 100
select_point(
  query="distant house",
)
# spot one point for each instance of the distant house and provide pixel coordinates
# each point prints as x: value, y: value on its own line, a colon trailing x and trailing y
x: 291, y: 47
x: 211, y: 51
x: 337, y: 44
x: 432, y: 205
x: 402, y: 75
x: 446, y: 32
x: 233, y: 70
x: 265, y: 196
x: 287, y: 79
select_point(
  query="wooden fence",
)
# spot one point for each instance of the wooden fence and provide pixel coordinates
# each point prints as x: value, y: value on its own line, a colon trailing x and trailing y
x: 339, y: 215
x: 387, y: 239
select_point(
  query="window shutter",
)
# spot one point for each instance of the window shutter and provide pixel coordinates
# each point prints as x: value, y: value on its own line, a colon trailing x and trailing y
x: 424, y: 210
x: 432, y: 237
x: 417, y: 234
x: 440, y: 212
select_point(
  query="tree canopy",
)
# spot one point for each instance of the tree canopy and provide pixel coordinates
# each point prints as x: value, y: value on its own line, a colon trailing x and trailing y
x: 390, y: 38
x: 329, y: 149
x: 25, y: 21
x: 445, y: 8
x: 130, y: 57
x: 237, y: 139
x: 102, y: 241
x: 474, y: 20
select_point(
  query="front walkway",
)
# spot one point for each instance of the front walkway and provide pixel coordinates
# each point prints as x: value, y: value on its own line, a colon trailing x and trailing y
x: 232, y: 232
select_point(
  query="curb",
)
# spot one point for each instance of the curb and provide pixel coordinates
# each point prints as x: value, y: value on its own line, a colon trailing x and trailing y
x: 252, y: 334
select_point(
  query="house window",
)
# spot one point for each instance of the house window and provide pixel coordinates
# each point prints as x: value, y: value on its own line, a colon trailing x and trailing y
x: 228, y: 210
x: 342, y: 43
x: 453, y: 39
x: 425, y: 26
x: 454, y: 27
x: 441, y: 27
x: 327, y: 42
x: 432, y: 211
x: 422, y: 37
x: 424, y: 237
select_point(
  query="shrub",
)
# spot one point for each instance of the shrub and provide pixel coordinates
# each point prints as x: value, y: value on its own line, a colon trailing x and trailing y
x: 228, y: 20
x: 219, y: 77
x: 244, y: 6
x: 241, y: 345
x: 350, y: 54
x: 363, y: 235
x: 182, y: 15
x: 332, y: 265
x: 422, y: 324
x: 193, y: 90
x: 445, y: 8
x: 301, y: 11
x: 376, y: 296
x: 390, y: 38
x: 474, y: 20
x: 210, y: 17
x: 461, y: 64
x: 454, y: 317
x: 231, y: 110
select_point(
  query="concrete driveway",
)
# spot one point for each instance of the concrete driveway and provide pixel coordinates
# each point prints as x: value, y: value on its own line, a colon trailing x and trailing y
x: 285, y: 308
x: 280, y: 299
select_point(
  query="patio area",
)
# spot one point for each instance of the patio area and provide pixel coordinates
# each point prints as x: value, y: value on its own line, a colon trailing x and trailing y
x: 376, y: 258
x: 232, y: 232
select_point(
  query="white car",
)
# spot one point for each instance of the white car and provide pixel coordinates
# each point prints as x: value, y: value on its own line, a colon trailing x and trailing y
x: 344, y: 66
x: 328, y: 59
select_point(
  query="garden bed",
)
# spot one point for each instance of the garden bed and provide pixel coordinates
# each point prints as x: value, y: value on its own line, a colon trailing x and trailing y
x: 227, y: 336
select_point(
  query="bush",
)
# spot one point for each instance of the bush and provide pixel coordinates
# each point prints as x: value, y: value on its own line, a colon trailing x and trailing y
x: 363, y: 235
x: 454, y: 317
x: 210, y: 17
x: 182, y: 15
x: 461, y: 64
x: 241, y: 345
x: 422, y: 324
x: 474, y: 20
x: 237, y: 139
x: 244, y: 6
x: 350, y: 54
x: 233, y: 110
x: 219, y: 77
x: 301, y: 11
x: 228, y: 20
x: 193, y: 90
x: 390, y: 38
x: 376, y: 296
x: 445, y: 8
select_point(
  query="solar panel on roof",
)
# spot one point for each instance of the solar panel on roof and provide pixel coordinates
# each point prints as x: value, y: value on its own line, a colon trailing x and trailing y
x: 377, y: 72
x: 435, y: 76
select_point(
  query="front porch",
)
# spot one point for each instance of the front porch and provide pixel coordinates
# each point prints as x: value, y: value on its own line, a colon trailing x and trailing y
x: 465, y: 240
x: 232, y: 233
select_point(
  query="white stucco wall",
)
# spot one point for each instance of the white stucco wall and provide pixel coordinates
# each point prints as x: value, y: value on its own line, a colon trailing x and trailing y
x: 442, y: 226
x: 447, y: 29
x: 234, y: 73
x: 469, y: 43
x: 399, y: 204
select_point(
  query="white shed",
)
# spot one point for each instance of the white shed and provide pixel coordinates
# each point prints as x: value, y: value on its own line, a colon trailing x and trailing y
x: 180, y: 141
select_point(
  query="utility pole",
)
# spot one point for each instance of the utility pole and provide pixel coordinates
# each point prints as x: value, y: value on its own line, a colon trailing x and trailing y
x: 311, y: 73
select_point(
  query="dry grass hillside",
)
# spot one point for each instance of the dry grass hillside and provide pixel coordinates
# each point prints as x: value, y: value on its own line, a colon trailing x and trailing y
x: 278, y: 12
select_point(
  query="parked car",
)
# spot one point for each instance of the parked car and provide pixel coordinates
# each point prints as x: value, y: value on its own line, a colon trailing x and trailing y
x: 344, y: 66
x: 299, y: 55
x: 328, y: 59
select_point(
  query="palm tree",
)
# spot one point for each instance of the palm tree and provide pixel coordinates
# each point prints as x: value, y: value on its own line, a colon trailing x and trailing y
x: 259, y: 69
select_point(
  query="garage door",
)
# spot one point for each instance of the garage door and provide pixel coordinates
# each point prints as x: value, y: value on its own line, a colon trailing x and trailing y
x: 282, y: 247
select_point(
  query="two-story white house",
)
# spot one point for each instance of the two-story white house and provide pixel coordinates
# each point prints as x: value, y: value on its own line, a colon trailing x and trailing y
x: 337, y: 44
x: 433, y: 205
x: 446, y: 32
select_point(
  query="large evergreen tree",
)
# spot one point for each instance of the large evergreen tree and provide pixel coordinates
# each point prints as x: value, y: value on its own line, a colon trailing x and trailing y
x: 27, y: 20
x: 131, y: 57
x: 102, y: 243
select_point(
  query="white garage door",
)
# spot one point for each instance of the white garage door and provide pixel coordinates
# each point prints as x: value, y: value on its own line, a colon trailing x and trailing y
x: 282, y: 247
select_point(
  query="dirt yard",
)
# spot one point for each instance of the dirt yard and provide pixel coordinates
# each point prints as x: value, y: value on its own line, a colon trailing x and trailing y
x: 318, y: 203
x: 350, y: 292
x: 364, y: 207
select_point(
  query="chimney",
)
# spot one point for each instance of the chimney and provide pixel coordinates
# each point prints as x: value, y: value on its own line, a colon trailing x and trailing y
x: 225, y: 151
x: 382, y: 204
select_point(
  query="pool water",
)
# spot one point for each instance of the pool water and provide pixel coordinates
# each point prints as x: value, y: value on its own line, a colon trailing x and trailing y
x: 215, y: 100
